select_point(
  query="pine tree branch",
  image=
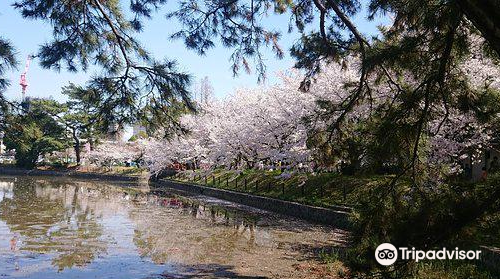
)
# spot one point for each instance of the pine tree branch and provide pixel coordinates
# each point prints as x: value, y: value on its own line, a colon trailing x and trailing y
x: 485, y: 15
x: 322, y: 11
x: 119, y: 38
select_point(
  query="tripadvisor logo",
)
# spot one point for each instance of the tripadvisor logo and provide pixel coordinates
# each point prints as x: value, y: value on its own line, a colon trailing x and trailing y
x: 386, y: 254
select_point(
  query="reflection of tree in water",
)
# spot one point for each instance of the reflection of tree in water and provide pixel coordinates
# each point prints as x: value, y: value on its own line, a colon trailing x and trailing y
x: 204, y: 239
x: 75, y: 222
x: 216, y: 235
x: 50, y: 219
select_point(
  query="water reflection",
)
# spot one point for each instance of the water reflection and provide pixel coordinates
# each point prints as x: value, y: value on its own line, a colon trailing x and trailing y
x: 57, y: 220
x: 71, y: 228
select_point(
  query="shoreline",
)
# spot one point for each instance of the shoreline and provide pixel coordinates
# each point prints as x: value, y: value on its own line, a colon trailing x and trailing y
x: 336, y: 216
x: 58, y: 173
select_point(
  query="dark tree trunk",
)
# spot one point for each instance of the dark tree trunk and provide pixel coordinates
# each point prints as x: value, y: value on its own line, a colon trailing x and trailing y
x: 77, y: 147
x: 77, y: 153
x: 485, y: 15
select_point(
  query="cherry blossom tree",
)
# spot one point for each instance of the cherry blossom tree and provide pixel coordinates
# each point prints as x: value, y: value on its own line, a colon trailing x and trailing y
x: 277, y: 123
x: 110, y: 153
x: 162, y: 154
x: 263, y: 125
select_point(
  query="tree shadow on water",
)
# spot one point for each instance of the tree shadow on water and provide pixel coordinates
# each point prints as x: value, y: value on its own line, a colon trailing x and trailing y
x: 204, y: 271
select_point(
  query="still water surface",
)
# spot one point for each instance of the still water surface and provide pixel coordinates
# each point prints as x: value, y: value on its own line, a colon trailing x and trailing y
x: 67, y: 228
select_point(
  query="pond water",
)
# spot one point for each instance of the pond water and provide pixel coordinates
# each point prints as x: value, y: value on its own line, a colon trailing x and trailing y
x: 67, y: 228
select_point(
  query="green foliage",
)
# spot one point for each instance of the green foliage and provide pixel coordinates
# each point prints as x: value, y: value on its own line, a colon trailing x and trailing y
x: 446, y: 214
x: 100, y: 32
x: 82, y: 117
x: 83, y: 114
x: 7, y: 61
x: 234, y: 23
x: 35, y: 133
x: 450, y: 270
x: 163, y: 121
x: 425, y: 44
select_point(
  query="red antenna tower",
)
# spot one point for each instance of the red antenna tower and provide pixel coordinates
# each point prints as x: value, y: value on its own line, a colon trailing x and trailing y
x: 24, y: 82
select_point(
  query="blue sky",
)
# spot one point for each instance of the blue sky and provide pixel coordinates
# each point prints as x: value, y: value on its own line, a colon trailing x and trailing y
x: 27, y: 36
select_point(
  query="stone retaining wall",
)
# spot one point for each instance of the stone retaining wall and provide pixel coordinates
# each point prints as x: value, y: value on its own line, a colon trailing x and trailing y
x: 336, y: 216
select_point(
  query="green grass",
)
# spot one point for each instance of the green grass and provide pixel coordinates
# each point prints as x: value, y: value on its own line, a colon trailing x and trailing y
x: 322, y: 189
x: 451, y: 270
